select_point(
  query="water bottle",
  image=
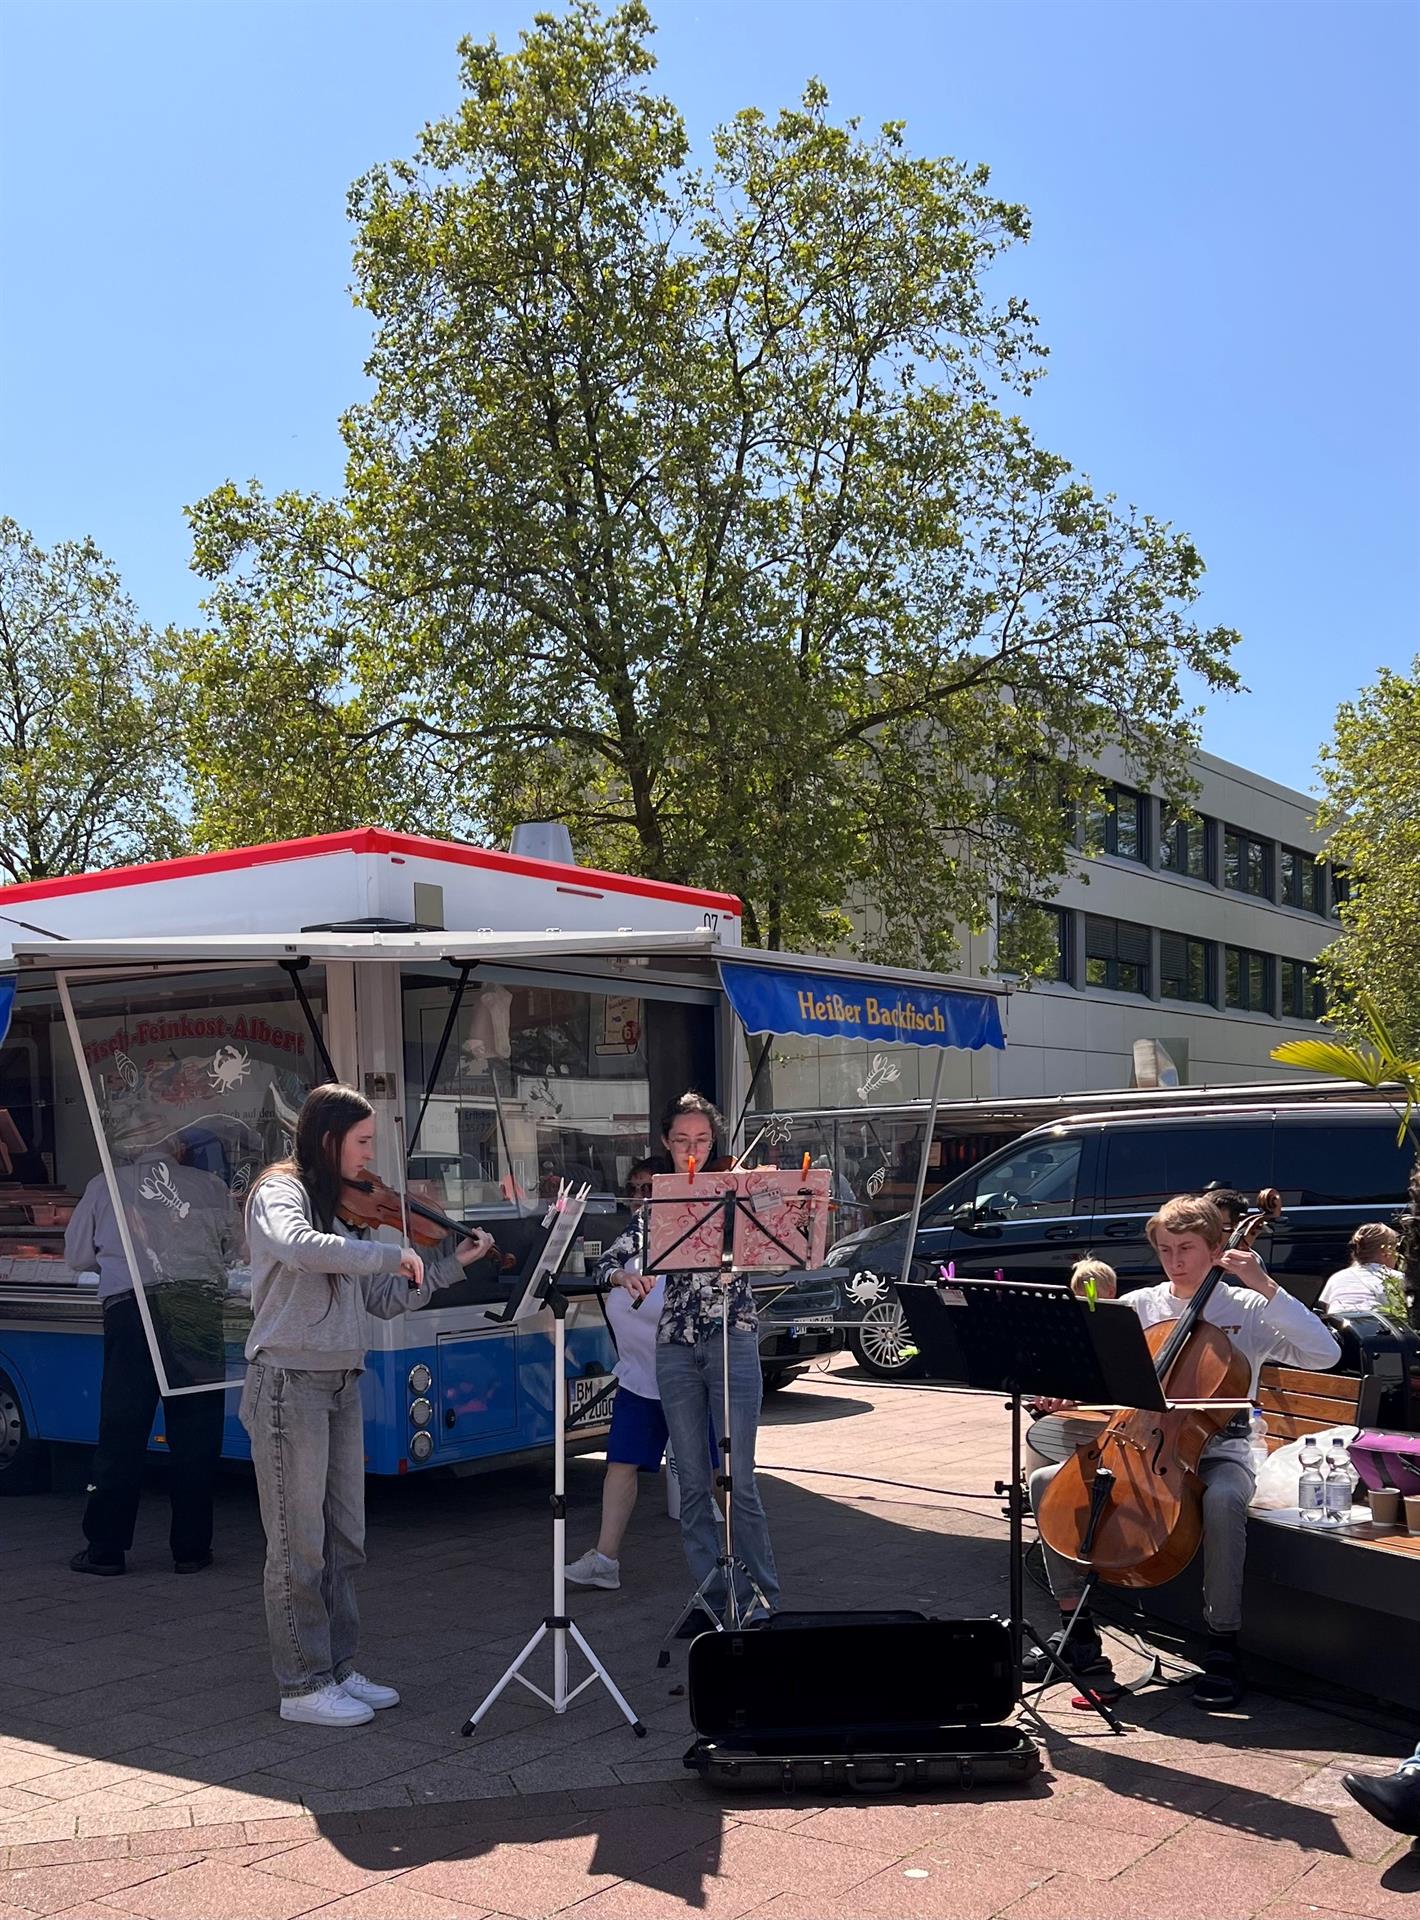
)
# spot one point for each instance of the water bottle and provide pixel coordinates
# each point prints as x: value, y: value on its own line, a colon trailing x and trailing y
x: 1257, y: 1440
x: 1338, y: 1482
x: 1311, y: 1489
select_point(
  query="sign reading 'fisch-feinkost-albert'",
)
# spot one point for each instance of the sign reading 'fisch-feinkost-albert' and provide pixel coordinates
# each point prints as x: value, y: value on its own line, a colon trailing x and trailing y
x: 790, y: 1000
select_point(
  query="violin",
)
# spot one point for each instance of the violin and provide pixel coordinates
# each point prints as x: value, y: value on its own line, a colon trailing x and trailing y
x: 368, y: 1202
x: 1129, y: 1505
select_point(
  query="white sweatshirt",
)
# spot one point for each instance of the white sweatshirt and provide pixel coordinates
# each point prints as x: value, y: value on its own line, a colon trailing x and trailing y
x: 1277, y: 1329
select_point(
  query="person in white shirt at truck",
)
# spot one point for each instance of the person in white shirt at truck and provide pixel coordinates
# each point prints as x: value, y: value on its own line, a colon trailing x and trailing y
x: 1264, y: 1323
x: 1360, y: 1287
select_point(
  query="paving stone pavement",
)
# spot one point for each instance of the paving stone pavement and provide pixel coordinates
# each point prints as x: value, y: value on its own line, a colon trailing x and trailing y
x: 144, y: 1770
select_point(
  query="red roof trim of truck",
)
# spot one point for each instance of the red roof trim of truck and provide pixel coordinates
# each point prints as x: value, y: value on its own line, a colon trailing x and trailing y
x: 365, y: 840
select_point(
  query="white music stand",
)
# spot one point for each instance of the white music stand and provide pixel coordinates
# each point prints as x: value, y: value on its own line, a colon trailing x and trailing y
x: 540, y: 1289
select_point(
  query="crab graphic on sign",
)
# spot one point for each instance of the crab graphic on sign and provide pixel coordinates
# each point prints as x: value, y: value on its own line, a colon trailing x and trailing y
x: 230, y: 1066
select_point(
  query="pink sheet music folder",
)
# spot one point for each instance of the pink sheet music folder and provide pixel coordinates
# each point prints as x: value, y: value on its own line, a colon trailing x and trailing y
x: 781, y: 1225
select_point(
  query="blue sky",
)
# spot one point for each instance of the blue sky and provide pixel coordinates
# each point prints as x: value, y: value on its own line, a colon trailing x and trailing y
x: 1224, y: 262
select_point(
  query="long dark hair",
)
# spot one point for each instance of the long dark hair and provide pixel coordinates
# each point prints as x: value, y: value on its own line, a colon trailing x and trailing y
x: 327, y: 1115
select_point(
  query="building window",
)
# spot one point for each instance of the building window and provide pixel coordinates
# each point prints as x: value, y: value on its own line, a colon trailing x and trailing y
x: 1340, y: 890
x: 1116, y: 955
x: 1184, y: 968
x: 1019, y: 925
x: 1301, y: 880
x: 1184, y: 845
x: 1247, y: 863
x: 1303, y: 995
x: 1118, y: 824
x: 1248, y: 980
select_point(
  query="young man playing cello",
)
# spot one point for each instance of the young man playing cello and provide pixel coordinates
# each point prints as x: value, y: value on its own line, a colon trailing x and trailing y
x: 1264, y: 1323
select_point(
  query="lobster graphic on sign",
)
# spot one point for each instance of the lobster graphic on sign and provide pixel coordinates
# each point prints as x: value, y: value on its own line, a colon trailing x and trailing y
x: 158, y: 1185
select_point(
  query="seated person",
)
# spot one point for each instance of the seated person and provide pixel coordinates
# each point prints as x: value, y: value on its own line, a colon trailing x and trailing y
x: 1264, y: 1323
x: 1360, y: 1288
x: 1054, y: 1436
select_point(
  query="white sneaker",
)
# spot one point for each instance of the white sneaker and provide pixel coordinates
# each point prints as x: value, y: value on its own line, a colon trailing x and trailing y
x: 330, y: 1706
x: 595, y: 1570
x: 370, y: 1691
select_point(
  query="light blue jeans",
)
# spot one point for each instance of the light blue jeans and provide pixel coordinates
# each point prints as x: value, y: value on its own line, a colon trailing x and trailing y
x: 308, y: 1446
x: 691, y: 1384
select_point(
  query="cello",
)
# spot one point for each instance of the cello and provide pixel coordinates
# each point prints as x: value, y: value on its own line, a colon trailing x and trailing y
x: 1129, y: 1506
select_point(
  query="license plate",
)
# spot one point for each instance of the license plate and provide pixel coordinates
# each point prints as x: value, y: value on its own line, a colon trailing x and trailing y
x: 586, y: 1390
x: 811, y: 1320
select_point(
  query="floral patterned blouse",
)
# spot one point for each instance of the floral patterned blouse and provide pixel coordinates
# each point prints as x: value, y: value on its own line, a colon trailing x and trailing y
x: 692, y: 1309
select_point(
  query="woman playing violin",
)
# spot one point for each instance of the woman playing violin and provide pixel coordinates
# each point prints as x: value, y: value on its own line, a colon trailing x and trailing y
x: 1263, y: 1323
x: 317, y: 1276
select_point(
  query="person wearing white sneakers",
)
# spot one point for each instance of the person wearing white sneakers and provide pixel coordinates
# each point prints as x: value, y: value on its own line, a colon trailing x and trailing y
x: 315, y: 1281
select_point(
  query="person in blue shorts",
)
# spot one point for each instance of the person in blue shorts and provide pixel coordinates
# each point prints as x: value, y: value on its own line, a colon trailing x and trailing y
x: 637, y: 1442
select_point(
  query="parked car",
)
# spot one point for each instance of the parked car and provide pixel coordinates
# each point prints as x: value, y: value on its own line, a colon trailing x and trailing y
x: 1088, y: 1185
x: 801, y: 1326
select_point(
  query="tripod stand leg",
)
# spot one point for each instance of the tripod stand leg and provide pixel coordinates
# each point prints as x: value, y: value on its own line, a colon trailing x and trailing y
x: 512, y: 1673
x: 1056, y: 1659
x: 601, y: 1673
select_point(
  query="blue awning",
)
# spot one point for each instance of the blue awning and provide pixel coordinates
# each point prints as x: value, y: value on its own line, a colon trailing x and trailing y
x: 770, y: 999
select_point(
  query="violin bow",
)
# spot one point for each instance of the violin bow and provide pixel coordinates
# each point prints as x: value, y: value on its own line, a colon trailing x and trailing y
x: 403, y: 1159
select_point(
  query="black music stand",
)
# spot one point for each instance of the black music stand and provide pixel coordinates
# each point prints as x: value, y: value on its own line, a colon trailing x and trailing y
x: 728, y: 1204
x: 1012, y: 1337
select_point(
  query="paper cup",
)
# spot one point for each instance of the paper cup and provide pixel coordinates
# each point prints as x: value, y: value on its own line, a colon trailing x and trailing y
x: 1412, y: 1512
x: 1385, y: 1506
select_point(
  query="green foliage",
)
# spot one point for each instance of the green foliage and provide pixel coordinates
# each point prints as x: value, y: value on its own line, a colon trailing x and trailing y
x: 1374, y: 1061
x: 691, y: 507
x: 87, y: 715
x: 1371, y: 780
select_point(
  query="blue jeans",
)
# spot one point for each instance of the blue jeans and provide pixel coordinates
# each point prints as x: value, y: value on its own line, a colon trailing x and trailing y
x: 308, y: 1447
x: 691, y: 1385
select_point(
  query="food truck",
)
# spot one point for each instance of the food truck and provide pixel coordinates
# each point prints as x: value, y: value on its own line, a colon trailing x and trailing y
x: 516, y: 1023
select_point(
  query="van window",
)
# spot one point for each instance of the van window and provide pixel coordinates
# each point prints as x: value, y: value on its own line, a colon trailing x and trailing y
x: 1341, y: 1165
x: 1035, y: 1181
x: 1144, y: 1166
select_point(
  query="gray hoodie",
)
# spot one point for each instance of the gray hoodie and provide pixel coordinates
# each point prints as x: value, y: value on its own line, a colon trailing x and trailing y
x: 295, y: 1320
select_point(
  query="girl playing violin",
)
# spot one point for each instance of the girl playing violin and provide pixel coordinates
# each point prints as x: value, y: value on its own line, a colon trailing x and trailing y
x: 315, y: 1280
x: 1264, y: 1323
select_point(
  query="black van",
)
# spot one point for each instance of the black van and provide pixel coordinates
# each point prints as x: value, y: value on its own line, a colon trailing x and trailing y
x: 1088, y: 1185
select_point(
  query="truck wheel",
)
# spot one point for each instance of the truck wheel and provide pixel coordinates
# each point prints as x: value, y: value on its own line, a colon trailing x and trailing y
x: 882, y: 1344
x: 24, y: 1461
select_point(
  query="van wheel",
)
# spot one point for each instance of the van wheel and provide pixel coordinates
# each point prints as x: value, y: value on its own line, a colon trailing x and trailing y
x: 882, y: 1344
x: 24, y: 1461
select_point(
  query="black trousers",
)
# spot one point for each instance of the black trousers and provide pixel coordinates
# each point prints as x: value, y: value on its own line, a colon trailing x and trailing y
x: 127, y: 1402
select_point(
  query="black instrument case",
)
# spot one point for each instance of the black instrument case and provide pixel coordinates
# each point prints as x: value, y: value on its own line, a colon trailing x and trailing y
x: 862, y: 1703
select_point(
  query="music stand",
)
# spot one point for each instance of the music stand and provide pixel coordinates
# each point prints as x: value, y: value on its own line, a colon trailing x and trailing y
x: 1016, y: 1338
x: 539, y: 1289
x: 726, y: 1221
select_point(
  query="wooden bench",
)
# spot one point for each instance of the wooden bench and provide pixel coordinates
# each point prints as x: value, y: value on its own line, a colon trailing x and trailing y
x: 1339, y: 1602
x: 1297, y: 1402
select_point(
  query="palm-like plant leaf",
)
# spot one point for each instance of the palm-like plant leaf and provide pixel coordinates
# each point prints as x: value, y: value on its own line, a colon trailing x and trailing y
x: 1334, y: 1057
x: 1378, y: 1064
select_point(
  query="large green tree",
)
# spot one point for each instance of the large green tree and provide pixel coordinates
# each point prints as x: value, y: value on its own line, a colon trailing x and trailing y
x: 692, y: 506
x: 88, y: 709
x: 1371, y: 783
